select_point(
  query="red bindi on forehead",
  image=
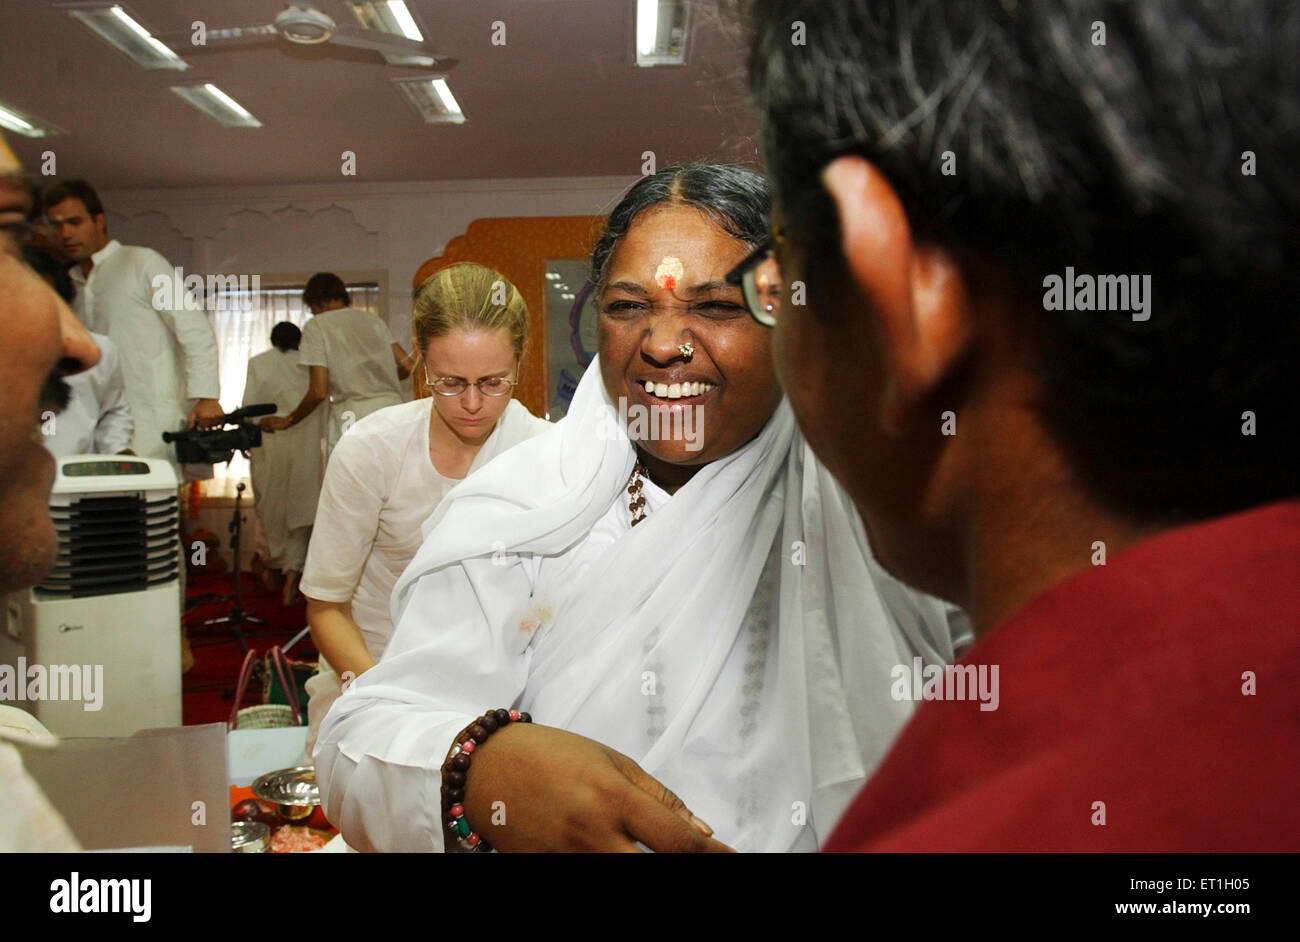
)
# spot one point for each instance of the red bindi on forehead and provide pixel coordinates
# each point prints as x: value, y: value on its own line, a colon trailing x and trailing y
x: 669, y: 273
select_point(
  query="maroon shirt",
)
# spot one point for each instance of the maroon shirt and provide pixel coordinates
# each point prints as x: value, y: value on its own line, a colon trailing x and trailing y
x: 1123, y: 685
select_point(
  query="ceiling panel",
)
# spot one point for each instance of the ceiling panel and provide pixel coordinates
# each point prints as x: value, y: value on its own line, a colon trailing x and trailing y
x: 561, y: 98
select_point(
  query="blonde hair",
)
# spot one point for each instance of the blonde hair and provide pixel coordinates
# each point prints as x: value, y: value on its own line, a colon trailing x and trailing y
x: 468, y: 296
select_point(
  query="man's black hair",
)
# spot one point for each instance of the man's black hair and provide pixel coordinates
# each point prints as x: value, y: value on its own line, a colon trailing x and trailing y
x: 74, y: 189
x: 323, y: 287
x: 1156, y: 137
x: 286, y: 336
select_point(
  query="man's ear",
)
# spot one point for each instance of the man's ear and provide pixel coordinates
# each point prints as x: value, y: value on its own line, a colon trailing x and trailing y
x: 916, y: 293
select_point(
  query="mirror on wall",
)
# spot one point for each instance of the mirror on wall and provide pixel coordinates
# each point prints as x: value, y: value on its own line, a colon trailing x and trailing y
x: 570, y: 330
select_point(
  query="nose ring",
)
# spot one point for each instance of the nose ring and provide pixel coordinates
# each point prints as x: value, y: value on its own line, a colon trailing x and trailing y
x: 686, y: 349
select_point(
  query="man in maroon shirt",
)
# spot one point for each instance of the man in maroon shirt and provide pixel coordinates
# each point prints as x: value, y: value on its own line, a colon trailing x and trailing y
x: 1040, y: 265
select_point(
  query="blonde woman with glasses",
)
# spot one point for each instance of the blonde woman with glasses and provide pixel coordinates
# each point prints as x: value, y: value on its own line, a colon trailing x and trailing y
x: 391, y: 469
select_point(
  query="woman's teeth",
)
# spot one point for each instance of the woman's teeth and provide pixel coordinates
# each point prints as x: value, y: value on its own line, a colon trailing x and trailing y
x: 676, y: 390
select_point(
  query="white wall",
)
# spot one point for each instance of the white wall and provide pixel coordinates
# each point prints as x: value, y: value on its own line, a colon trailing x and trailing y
x: 391, y: 227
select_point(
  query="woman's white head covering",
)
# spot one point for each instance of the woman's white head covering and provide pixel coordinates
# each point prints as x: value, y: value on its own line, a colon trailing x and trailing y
x: 738, y: 643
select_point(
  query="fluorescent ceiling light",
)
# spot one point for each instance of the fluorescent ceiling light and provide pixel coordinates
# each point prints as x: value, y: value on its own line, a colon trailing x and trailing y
x: 388, y: 16
x: 432, y: 98
x: 217, y: 105
x: 20, y: 122
x: 662, y: 27
x: 113, y: 24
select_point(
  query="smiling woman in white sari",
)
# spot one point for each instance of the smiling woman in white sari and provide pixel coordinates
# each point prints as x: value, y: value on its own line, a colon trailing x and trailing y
x: 667, y: 580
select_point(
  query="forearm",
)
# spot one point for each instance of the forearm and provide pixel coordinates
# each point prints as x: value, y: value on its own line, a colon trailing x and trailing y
x: 306, y: 407
x: 199, y: 350
x: 382, y: 744
x: 378, y: 763
x: 338, y: 637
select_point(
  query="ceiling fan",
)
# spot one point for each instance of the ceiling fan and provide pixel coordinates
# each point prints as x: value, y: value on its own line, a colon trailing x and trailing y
x: 304, y: 24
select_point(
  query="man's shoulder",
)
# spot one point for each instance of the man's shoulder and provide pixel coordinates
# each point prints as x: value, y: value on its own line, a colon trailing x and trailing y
x: 139, y: 256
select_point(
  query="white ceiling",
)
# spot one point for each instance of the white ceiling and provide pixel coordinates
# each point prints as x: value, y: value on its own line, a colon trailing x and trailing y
x: 561, y: 98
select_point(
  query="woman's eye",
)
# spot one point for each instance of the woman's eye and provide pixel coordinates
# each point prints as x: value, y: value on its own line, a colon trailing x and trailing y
x: 623, y: 308
x: 719, y: 309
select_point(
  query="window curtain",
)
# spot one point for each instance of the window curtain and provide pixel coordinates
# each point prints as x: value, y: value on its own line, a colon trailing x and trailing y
x: 242, y: 321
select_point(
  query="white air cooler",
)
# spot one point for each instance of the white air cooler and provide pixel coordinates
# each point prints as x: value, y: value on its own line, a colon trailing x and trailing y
x: 112, y: 601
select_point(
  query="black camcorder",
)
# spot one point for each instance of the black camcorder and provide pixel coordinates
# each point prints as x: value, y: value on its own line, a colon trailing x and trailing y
x: 217, y: 445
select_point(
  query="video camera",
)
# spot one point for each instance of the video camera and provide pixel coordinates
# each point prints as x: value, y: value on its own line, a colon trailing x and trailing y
x: 216, y: 445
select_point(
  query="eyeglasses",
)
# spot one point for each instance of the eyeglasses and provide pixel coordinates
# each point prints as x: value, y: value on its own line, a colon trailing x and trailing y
x: 759, y: 278
x: 454, y: 385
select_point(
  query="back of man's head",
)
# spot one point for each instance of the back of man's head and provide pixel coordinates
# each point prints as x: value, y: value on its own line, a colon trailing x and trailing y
x: 286, y: 336
x: 324, y: 287
x: 1032, y: 137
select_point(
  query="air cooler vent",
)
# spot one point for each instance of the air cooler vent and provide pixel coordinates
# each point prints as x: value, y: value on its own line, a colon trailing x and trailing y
x: 111, y: 543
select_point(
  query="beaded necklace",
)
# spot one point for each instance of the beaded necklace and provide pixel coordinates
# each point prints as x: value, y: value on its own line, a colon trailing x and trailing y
x: 637, y: 502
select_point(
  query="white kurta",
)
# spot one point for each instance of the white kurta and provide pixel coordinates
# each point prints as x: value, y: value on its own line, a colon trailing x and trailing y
x: 357, y: 349
x: 738, y: 644
x: 286, y: 470
x: 97, y: 420
x: 380, y: 487
x: 168, y: 356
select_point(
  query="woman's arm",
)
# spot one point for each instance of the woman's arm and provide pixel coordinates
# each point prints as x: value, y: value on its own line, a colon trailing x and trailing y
x: 317, y: 392
x: 530, y: 787
x: 338, y: 637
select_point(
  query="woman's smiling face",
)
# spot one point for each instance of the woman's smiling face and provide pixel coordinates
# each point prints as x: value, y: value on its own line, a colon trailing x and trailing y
x: 665, y: 287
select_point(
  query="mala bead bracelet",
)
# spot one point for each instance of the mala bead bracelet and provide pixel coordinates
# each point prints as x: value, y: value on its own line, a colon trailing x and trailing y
x: 456, y: 768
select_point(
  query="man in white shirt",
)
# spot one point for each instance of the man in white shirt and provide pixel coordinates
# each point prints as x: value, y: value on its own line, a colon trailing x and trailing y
x: 168, y: 356
x: 97, y: 419
x: 352, y: 359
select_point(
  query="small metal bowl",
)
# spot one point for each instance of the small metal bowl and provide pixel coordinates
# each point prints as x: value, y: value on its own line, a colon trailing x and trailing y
x: 292, y: 791
x: 250, y: 837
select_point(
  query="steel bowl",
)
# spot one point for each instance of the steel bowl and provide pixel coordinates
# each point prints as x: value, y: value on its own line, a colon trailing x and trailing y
x: 250, y: 837
x: 292, y: 791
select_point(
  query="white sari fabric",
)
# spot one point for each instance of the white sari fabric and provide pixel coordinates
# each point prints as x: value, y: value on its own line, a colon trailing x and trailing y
x: 737, y: 644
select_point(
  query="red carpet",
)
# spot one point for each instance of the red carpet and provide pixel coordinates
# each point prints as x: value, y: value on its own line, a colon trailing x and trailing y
x: 209, y: 687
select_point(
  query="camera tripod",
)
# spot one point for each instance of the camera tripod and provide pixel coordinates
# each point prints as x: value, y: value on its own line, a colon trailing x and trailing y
x: 236, y: 617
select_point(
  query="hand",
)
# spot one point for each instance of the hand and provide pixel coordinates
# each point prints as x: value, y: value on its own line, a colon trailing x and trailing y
x: 206, y: 413
x: 562, y: 792
x: 274, y: 423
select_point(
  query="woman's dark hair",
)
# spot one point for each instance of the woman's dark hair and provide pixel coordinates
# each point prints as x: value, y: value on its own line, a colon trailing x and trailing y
x: 323, y: 287
x: 1151, y: 138
x: 51, y: 269
x: 285, y: 336
x: 738, y: 200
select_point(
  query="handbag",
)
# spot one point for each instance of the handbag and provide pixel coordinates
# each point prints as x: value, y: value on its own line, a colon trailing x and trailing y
x: 290, y: 678
x: 265, y: 715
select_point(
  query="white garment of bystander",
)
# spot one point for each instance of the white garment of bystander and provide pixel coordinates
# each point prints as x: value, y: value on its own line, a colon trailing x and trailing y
x: 97, y: 420
x: 357, y: 349
x: 286, y: 469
